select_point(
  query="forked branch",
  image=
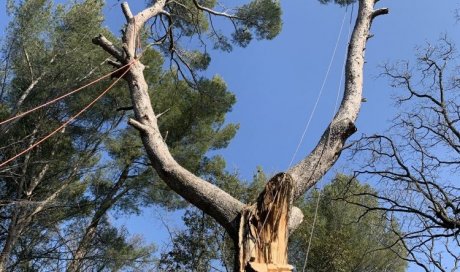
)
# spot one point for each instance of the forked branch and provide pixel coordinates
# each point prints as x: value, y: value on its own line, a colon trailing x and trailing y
x: 207, y: 197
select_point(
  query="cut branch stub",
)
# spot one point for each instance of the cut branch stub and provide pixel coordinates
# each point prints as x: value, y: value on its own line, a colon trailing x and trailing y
x: 263, y: 233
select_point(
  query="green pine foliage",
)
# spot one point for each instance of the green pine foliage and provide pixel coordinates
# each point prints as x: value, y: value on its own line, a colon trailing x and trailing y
x: 47, y: 191
x: 338, y: 2
x: 348, y: 234
x: 260, y: 17
x: 97, y: 166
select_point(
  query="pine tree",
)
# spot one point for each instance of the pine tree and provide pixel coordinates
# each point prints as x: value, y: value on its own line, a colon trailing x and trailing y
x: 57, y: 198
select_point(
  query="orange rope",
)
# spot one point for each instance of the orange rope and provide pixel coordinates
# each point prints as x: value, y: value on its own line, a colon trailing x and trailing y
x: 68, y: 121
x: 62, y: 96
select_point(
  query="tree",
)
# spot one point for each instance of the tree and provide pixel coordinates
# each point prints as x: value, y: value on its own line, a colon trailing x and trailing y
x: 346, y: 237
x: 417, y: 158
x: 43, y: 188
x: 252, y: 229
x: 55, y: 200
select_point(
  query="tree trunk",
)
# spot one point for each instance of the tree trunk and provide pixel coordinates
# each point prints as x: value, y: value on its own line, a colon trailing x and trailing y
x: 83, y: 247
x: 90, y: 231
x: 12, y: 237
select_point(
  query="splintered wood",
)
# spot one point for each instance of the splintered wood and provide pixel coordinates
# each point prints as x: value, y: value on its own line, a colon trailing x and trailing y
x: 263, y: 234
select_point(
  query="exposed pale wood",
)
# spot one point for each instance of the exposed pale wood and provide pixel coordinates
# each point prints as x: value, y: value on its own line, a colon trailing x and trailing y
x: 259, y: 267
x: 264, y: 227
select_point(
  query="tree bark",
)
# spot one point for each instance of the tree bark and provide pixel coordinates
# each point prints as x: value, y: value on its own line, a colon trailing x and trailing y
x: 270, y: 242
x: 206, y: 196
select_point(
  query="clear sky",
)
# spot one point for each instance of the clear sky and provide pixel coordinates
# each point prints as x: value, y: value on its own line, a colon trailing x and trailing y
x: 277, y: 82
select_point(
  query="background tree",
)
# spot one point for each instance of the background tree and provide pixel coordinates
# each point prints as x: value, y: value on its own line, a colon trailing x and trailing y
x: 346, y: 237
x: 55, y: 200
x: 39, y: 190
x: 416, y: 161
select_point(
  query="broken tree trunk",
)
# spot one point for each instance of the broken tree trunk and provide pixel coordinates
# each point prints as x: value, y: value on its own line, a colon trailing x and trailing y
x: 260, y: 231
x: 263, y: 233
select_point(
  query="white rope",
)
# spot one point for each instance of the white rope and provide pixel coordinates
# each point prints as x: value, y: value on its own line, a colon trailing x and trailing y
x: 320, y: 92
x: 335, y: 111
x: 312, y: 114
x: 311, y: 232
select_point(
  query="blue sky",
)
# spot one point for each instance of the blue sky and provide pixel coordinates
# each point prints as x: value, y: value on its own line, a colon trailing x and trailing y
x: 277, y: 82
